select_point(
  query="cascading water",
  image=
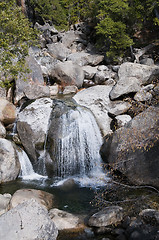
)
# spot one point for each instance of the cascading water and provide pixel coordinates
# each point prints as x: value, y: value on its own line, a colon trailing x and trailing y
x: 27, y: 171
x: 73, y: 143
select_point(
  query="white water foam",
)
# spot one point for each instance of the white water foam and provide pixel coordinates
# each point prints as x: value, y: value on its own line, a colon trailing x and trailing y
x: 27, y: 171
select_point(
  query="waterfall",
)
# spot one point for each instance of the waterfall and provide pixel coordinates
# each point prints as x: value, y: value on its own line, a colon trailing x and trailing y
x: 79, y: 143
x: 73, y: 143
x: 27, y: 171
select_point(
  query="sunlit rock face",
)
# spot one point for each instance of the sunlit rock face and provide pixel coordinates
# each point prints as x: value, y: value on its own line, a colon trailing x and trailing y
x: 97, y: 100
x: 32, y: 126
x: 132, y: 77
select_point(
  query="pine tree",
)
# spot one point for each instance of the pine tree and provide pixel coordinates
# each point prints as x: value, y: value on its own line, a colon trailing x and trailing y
x: 112, y: 26
x: 50, y: 10
x: 16, y: 36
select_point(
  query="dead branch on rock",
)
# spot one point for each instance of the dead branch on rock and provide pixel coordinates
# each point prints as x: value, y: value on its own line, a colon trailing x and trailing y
x: 137, y: 53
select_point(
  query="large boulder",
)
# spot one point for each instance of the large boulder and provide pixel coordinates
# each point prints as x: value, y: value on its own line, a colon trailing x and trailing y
x: 58, y: 51
x: 27, y: 221
x: 131, y: 77
x: 9, y: 163
x: 43, y: 198
x: 33, y: 91
x: 68, y: 73
x: 133, y: 149
x: 97, y: 100
x: 32, y: 126
x: 83, y: 58
x: 7, y: 112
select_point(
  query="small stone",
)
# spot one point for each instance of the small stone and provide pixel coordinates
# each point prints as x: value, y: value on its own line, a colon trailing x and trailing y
x: 107, y: 216
x: 53, y: 90
x: 70, y: 90
x: 150, y: 216
x: 122, y: 120
x: 63, y: 220
x: 103, y: 68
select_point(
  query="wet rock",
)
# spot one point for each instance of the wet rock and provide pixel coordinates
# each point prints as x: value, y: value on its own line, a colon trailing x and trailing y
x: 107, y: 216
x: 28, y: 220
x: 7, y: 112
x: 131, y: 77
x: 43, y: 198
x: 63, y: 220
x: 68, y: 73
x: 67, y: 185
x: 9, y: 164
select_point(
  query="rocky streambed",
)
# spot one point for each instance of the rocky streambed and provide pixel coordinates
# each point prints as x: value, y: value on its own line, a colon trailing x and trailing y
x: 123, y: 100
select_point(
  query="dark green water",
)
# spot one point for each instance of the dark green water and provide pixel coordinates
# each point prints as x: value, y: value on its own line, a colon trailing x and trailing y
x: 75, y: 200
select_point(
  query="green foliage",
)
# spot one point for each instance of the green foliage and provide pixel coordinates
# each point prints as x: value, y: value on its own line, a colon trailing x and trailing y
x: 111, y: 26
x: 79, y: 10
x: 51, y: 10
x: 15, y: 38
